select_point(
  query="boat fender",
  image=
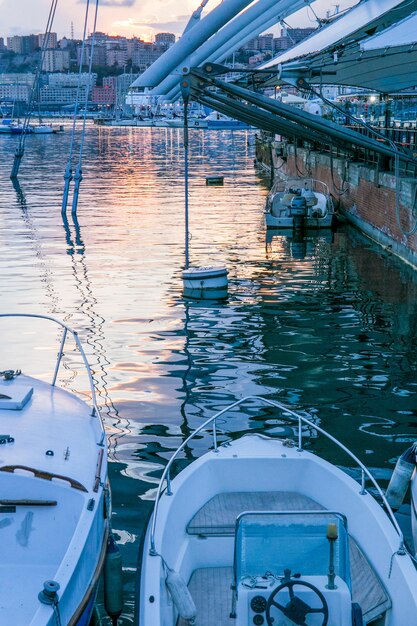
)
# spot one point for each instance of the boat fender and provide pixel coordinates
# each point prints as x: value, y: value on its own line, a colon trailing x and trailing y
x: 401, y: 477
x: 181, y: 596
x: 113, y: 580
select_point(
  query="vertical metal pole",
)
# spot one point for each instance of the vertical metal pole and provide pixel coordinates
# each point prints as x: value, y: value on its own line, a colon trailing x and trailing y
x: 17, y: 159
x: 77, y: 181
x: 168, y: 479
x: 215, y: 436
x: 387, y: 115
x: 95, y: 410
x: 58, y: 362
x: 363, y: 479
x: 300, y: 436
x: 67, y: 179
x: 187, y: 236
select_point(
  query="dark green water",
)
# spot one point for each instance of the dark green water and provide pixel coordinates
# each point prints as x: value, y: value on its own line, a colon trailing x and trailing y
x: 326, y: 325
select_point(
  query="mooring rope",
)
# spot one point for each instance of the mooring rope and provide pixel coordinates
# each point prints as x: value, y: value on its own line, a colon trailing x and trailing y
x: 68, y: 171
x: 78, y: 172
x: 20, y: 150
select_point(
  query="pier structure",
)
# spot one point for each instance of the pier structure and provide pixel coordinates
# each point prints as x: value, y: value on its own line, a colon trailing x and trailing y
x: 364, y: 193
x: 370, y: 170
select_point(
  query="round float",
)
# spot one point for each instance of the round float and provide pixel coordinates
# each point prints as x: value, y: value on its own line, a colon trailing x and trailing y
x: 205, y: 283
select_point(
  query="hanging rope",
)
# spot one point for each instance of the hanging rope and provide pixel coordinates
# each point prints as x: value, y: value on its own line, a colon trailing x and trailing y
x: 340, y: 191
x: 68, y: 171
x: 20, y: 150
x: 307, y: 172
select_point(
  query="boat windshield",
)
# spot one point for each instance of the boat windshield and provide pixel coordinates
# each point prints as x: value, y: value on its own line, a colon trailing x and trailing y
x: 273, y: 542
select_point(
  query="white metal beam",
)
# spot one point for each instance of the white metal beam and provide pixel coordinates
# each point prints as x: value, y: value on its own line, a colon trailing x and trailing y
x: 189, y: 42
x: 256, y: 19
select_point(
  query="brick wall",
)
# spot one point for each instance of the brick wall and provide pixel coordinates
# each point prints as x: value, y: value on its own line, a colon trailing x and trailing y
x: 365, y: 196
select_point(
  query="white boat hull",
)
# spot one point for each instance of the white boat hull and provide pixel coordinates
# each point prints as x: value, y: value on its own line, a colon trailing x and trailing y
x: 414, y: 511
x: 312, y: 223
x: 64, y: 542
x: 42, y: 129
x: 158, y: 123
x: 258, y: 466
x: 54, y: 499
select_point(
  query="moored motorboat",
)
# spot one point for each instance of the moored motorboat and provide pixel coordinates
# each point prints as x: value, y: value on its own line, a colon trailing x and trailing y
x: 17, y: 128
x: 54, y: 502
x: 42, y: 129
x: 218, y: 121
x: 301, y: 203
x: 20, y: 129
x: 260, y: 531
x: 193, y: 122
x: 5, y: 126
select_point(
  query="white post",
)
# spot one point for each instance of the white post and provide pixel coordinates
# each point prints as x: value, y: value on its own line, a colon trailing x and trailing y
x: 185, y: 90
x: 187, y: 236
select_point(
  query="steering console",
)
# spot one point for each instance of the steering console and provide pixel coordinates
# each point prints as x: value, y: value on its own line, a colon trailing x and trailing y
x: 296, y: 609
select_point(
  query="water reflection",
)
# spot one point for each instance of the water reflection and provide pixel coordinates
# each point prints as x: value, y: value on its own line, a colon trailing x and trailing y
x: 117, y: 428
x: 299, y: 244
x: 327, y: 325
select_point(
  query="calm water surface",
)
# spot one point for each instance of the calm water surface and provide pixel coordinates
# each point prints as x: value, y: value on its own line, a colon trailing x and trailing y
x: 327, y: 325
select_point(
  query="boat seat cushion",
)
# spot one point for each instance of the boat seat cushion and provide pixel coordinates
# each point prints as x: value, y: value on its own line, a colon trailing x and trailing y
x: 218, y: 516
x: 367, y: 590
x: 210, y: 588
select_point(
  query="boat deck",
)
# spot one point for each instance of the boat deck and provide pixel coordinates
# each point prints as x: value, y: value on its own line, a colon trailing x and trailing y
x: 49, y: 463
x: 30, y: 580
x: 218, y: 517
x: 54, y: 431
x: 213, y: 609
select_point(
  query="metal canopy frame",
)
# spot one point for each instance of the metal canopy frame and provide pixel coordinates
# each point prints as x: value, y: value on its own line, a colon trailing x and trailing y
x: 272, y: 116
x: 342, y: 49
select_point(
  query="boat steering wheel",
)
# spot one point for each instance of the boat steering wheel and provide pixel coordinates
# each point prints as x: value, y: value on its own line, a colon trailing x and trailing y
x: 296, y: 609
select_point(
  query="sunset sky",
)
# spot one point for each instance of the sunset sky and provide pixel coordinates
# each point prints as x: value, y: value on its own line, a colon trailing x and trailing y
x: 142, y: 18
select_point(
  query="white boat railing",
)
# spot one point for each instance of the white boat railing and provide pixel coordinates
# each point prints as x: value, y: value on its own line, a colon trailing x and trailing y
x: 292, y: 416
x: 66, y: 329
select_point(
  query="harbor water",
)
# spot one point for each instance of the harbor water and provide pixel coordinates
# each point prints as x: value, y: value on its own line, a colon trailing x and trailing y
x: 326, y: 323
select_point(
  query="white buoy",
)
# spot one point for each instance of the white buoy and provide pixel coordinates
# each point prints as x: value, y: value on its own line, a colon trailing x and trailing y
x: 205, y: 283
x: 401, y: 477
x: 181, y: 596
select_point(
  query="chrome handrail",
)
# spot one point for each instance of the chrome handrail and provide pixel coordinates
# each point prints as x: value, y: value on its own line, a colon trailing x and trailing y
x: 315, y: 183
x: 365, y: 473
x: 67, y: 329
